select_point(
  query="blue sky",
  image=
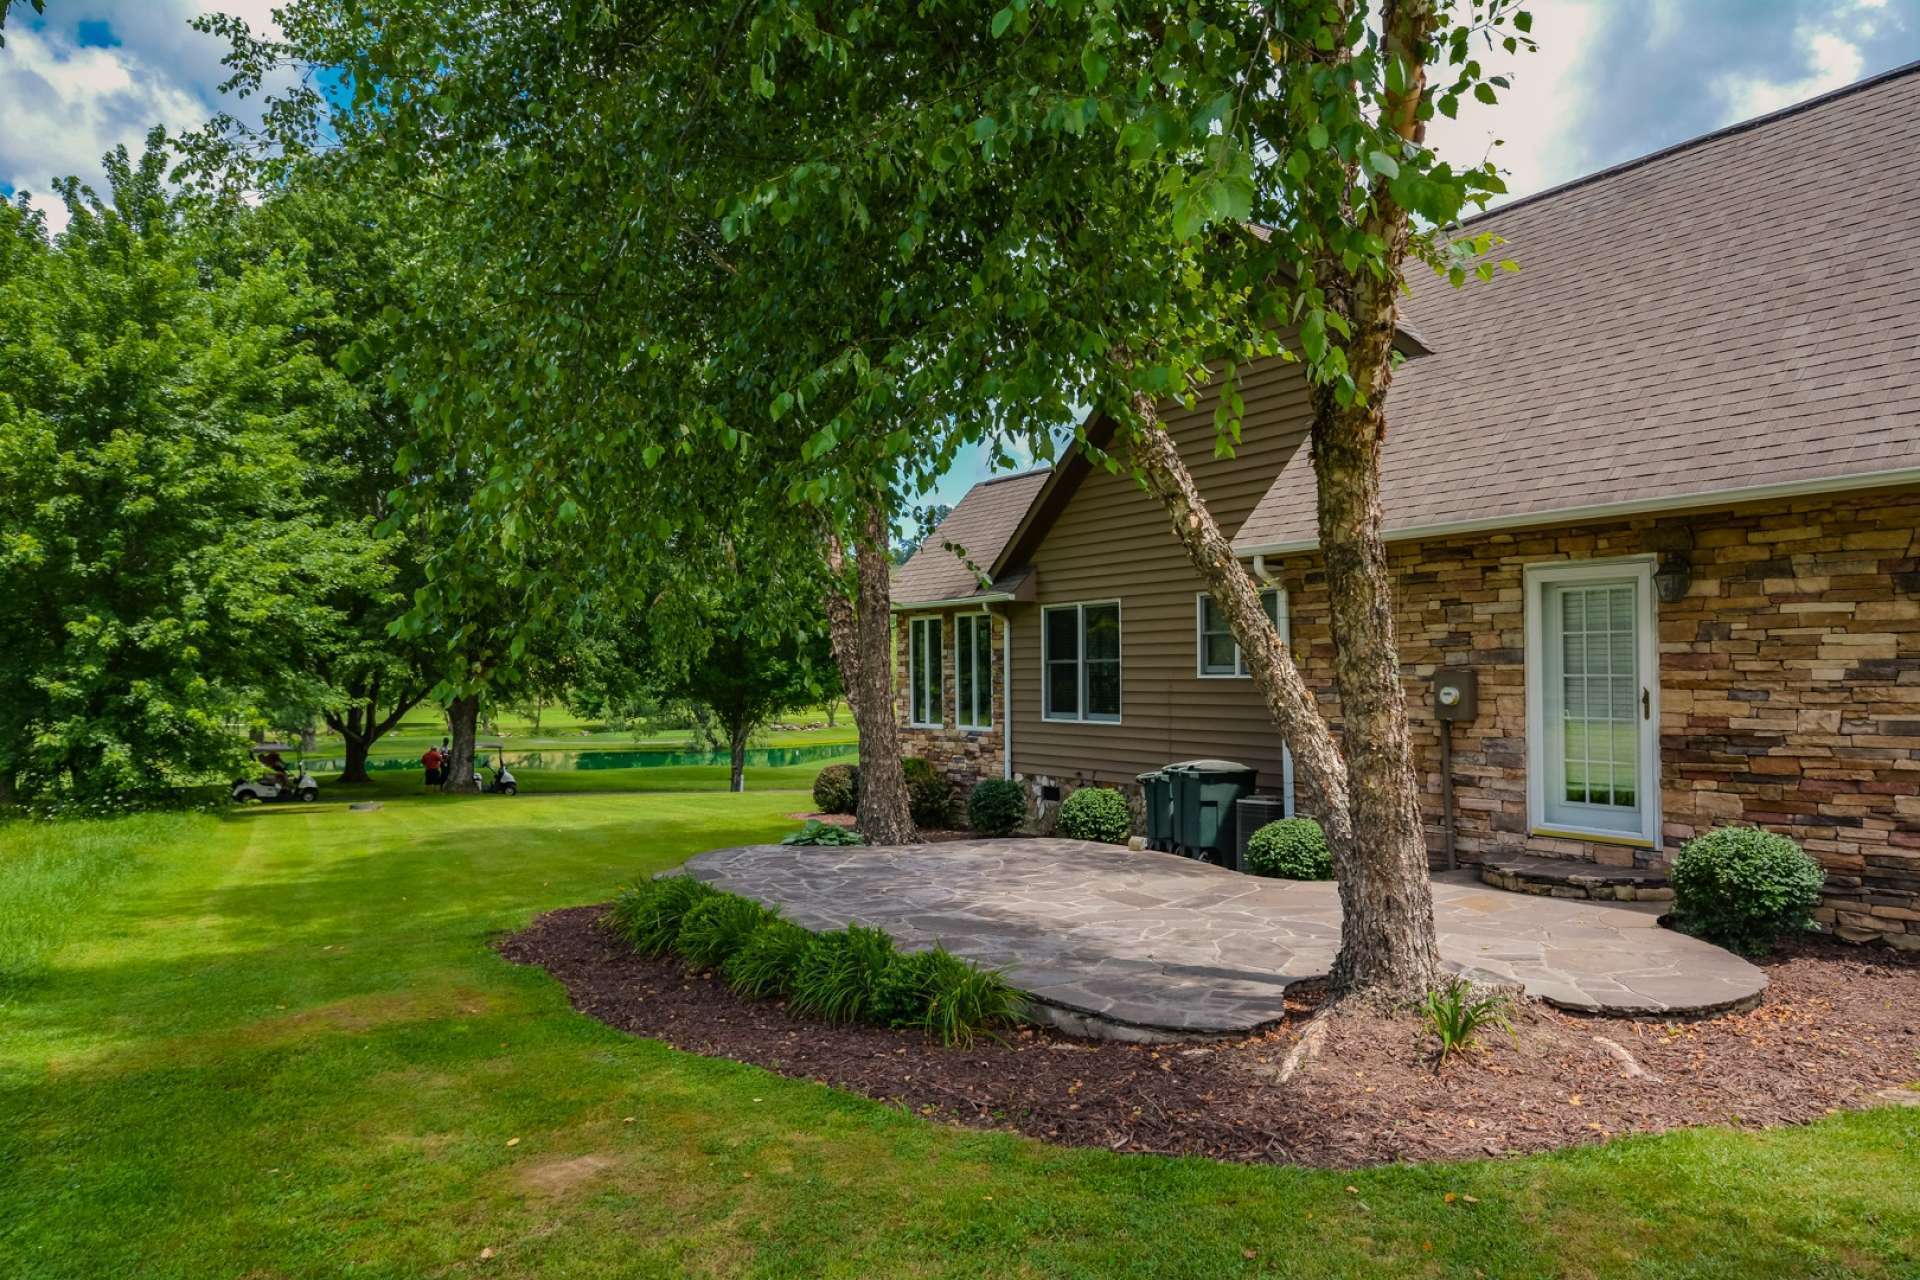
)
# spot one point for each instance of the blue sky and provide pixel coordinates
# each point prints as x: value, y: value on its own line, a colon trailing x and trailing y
x: 1613, y: 79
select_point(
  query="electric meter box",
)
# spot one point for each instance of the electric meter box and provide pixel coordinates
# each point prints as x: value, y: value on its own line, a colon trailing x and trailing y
x: 1455, y: 693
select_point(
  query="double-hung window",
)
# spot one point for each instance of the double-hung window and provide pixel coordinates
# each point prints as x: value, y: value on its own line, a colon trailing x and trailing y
x: 973, y: 671
x: 1217, y: 656
x: 923, y: 673
x: 1081, y: 662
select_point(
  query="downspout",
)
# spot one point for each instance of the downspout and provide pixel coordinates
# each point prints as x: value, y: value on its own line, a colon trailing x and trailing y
x: 1006, y: 694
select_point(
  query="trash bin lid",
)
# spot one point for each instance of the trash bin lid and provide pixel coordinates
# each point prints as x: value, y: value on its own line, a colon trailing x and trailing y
x: 1209, y: 766
x: 1151, y: 775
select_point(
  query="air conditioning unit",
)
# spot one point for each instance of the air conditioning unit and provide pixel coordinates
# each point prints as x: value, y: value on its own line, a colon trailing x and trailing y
x: 1251, y: 814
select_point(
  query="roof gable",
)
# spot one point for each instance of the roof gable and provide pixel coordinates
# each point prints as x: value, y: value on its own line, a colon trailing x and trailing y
x: 950, y: 563
x: 1733, y: 314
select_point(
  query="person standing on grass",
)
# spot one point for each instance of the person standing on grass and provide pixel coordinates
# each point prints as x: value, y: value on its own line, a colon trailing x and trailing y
x: 431, y: 761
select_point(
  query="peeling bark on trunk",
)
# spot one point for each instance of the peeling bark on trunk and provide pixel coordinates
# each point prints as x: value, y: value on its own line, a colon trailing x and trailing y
x: 862, y: 647
x: 1387, y: 942
x: 463, y: 718
x: 1316, y: 760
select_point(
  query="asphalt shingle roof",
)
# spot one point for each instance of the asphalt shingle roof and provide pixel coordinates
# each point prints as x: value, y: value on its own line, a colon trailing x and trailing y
x: 1736, y: 313
x: 976, y: 529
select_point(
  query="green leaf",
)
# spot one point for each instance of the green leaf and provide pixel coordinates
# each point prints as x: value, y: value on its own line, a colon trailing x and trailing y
x: 1094, y: 63
x: 1317, y: 136
x: 1001, y: 21
x: 1383, y: 164
x: 1485, y: 93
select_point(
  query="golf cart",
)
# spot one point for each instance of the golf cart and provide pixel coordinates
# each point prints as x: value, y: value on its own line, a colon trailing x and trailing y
x: 502, y: 782
x: 276, y: 784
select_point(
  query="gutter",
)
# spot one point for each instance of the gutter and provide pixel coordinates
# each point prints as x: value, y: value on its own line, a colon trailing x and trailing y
x: 1642, y: 506
x: 957, y: 602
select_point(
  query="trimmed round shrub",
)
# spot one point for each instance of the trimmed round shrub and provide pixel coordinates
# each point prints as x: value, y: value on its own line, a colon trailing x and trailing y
x: 1742, y: 887
x: 836, y: 789
x: 1290, y: 849
x: 1095, y: 813
x: 929, y: 794
x: 997, y: 807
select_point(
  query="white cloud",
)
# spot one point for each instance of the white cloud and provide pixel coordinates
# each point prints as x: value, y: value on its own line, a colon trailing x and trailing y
x: 1835, y: 63
x: 1529, y: 133
x: 65, y: 105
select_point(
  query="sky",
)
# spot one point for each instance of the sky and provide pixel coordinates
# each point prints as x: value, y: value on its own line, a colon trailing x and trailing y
x: 1613, y: 79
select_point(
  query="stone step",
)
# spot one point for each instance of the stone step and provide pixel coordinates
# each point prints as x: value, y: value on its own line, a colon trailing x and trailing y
x: 1564, y: 878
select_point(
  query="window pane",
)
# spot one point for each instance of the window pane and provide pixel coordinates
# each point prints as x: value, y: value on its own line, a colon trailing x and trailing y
x: 1103, y: 690
x: 963, y: 674
x: 983, y: 671
x: 1270, y: 601
x: 1063, y: 634
x: 1219, y: 654
x: 1103, y: 631
x: 1063, y: 689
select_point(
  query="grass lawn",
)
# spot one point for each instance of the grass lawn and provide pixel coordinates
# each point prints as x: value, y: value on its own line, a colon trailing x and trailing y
x: 561, y: 730
x: 277, y: 1044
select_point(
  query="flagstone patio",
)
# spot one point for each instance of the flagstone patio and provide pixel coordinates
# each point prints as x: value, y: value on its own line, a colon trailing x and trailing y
x: 1149, y: 945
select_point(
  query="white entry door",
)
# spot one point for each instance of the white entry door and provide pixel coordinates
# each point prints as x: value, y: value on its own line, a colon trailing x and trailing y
x: 1592, y: 690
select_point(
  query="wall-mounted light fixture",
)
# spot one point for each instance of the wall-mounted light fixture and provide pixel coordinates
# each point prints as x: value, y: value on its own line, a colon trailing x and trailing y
x: 1673, y: 577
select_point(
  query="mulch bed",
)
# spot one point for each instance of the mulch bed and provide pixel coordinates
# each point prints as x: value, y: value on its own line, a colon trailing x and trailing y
x: 1836, y: 1028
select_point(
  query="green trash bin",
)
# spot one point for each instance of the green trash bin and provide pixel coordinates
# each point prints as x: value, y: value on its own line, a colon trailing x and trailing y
x: 1204, y: 795
x: 1157, y: 788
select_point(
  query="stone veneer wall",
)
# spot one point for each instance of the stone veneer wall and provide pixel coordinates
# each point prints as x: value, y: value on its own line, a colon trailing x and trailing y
x: 964, y: 755
x: 1789, y: 685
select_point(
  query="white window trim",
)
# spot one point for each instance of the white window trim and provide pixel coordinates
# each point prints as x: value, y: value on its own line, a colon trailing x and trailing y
x: 913, y: 667
x: 1537, y: 578
x: 1239, y: 671
x: 1080, y: 608
x: 980, y: 686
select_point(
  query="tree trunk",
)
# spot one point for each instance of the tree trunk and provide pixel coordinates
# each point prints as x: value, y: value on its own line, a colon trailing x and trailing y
x: 833, y: 711
x: 356, y: 771
x: 738, y: 779
x: 463, y: 718
x: 862, y: 633
x: 1387, y: 942
x: 9, y: 795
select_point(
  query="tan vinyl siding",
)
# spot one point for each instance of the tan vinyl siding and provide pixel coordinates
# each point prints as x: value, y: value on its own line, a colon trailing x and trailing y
x: 1111, y: 542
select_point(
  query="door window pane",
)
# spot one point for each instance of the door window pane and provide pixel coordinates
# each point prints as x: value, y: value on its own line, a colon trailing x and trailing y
x: 1593, y: 705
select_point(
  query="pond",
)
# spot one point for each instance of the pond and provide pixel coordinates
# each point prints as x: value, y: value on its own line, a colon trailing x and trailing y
x: 590, y: 758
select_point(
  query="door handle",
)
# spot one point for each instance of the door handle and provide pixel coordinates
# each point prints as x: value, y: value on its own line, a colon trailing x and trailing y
x: 1646, y: 703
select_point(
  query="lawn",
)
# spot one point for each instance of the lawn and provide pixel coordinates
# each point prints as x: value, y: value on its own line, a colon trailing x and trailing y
x: 278, y: 1044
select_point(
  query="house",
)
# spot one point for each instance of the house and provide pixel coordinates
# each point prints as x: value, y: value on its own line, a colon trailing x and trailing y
x: 1659, y: 492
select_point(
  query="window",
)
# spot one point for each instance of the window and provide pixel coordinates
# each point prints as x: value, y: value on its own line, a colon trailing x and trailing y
x: 1592, y: 741
x: 1080, y: 646
x: 973, y: 671
x: 923, y: 672
x: 1217, y: 656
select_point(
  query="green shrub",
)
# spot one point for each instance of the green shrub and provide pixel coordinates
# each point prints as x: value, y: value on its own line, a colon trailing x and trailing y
x: 1455, y: 1015
x: 840, y: 974
x: 716, y: 927
x: 824, y: 833
x: 997, y: 807
x: 765, y: 964
x: 836, y: 789
x: 1095, y: 813
x: 945, y: 996
x: 1290, y: 849
x: 1742, y: 887
x: 929, y: 794
x: 648, y: 915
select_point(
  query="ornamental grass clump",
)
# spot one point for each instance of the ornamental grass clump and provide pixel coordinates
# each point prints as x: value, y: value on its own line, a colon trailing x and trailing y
x: 943, y: 995
x: 840, y: 974
x: 1290, y: 849
x: 714, y: 928
x: 767, y: 961
x: 649, y: 914
x: 1742, y: 888
x: 1095, y: 813
x: 1455, y: 1015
